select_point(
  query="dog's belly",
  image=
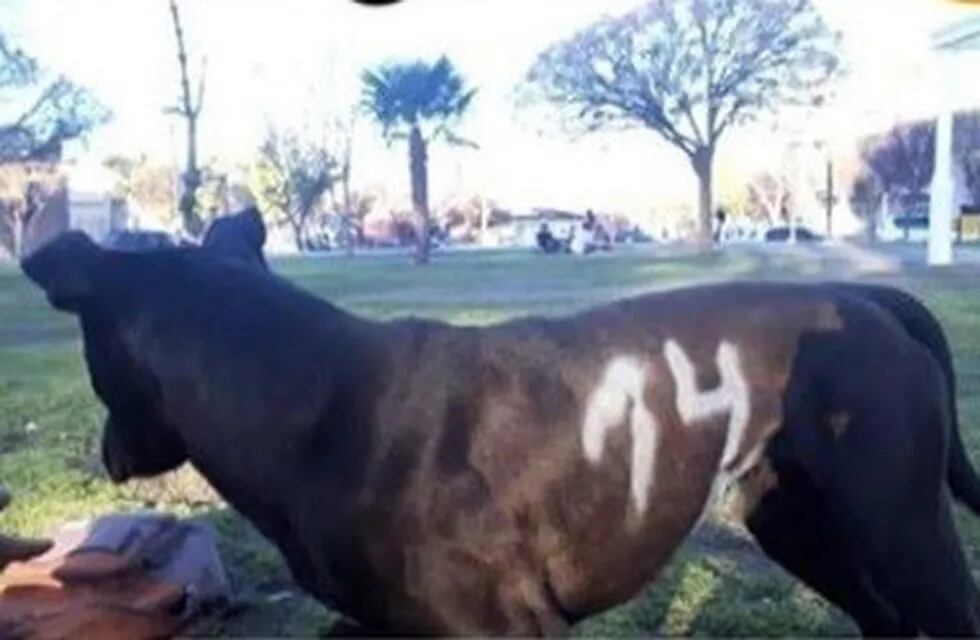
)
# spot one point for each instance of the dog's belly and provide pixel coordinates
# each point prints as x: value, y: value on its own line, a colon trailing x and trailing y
x: 602, y: 548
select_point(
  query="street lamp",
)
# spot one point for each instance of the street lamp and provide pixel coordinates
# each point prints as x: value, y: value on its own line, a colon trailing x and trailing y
x: 822, y: 145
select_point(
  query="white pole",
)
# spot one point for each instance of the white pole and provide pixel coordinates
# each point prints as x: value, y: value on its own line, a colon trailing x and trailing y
x: 941, y: 193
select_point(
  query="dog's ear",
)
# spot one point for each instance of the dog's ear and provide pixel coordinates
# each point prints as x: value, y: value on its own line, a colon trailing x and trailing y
x: 240, y: 236
x: 66, y: 269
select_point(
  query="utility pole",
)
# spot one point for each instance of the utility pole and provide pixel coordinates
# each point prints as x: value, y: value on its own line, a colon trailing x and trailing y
x: 828, y: 197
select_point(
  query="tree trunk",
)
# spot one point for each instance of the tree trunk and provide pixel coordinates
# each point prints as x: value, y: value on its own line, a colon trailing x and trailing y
x: 192, y: 180
x: 905, y: 218
x: 483, y: 225
x: 873, y: 214
x: 348, y: 219
x: 884, y: 212
x: 22, y: 220
x: 297, y: 227
x: 418, y: 167
x: 830, y: 198
x: 191, y: 177
x: 702, y: 161
x: 18, y: 227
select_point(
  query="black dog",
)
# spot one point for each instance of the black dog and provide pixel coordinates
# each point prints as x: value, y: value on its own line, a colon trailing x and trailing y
x: 425, y: 478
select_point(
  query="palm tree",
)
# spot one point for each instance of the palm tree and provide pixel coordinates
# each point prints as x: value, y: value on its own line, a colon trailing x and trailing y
x: 419, y: 102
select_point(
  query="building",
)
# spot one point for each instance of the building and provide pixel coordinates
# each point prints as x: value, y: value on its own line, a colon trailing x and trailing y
x: 91, y: 206
x: 74, y: 198
x: 952, y: 44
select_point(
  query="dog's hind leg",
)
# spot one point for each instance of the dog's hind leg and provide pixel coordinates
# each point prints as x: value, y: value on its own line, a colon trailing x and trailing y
x: 923, y: 568
x: 794, y: 528
x: 928, y: 578
x: 881, y: 483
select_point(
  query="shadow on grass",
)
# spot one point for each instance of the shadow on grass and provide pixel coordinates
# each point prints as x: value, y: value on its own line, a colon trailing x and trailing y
x: 720, y: 584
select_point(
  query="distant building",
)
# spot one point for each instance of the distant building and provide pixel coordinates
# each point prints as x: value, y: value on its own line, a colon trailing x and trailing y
x: 954, y: 41
x: 91, y: 205
x: 81, y: 199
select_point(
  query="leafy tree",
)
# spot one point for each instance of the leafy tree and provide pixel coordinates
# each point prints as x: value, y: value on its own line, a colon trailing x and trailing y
x: 468, y: 218
x: 147, y: 185
x: 866, y: 197
x: 420, y: 102
x: 223, y: 188
x: 39, y: 111
x: 688, y: 70
x: 290, y: 179
x: 25, y: 188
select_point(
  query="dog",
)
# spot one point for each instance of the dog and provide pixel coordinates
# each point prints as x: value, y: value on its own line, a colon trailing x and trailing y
x: 423, y: 478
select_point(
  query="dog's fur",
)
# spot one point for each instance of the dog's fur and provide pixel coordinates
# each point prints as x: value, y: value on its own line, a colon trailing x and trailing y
x: 425, y: 478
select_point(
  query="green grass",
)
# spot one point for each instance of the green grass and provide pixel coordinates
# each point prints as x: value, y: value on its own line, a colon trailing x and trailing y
x: 717, y: 585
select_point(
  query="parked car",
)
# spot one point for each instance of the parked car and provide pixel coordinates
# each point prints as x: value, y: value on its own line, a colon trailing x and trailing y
x: 914, y: 228
x: 908, y: 220
x: 782, y: 234
x: 632, y: 236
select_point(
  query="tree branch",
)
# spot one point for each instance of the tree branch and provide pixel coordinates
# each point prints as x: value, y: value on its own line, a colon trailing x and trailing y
x: 186, y: 108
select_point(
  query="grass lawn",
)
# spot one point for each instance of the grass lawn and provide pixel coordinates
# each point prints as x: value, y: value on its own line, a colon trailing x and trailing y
x: 717, y: 585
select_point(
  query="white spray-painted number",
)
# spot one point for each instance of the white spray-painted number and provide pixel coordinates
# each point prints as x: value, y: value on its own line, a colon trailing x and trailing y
x: 621, y: 395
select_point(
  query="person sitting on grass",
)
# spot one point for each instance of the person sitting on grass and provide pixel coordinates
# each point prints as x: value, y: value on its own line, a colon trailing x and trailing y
x: 546, y: 240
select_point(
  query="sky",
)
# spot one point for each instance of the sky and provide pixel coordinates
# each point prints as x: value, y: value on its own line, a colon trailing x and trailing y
x: 292, y: 61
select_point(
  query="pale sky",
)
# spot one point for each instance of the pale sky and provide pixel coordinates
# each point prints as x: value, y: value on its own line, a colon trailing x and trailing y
x: 282, y: 60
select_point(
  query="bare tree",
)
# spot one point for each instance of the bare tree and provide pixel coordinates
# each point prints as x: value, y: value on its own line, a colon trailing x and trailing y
x: 903, y: 158
x: 346, y: 204
x: 188, y: 107
x: 901, y: 161
x: 688, y: 70
x: 966, y: 147
x: 769, y: 196
x: 148, y: 185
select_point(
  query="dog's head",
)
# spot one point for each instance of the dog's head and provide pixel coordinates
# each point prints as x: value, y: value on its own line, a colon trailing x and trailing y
x: 83, y: 279
x: 240, y: 236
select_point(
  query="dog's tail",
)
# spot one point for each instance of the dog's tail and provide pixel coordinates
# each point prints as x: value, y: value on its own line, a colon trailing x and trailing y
x: 923, y: 327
